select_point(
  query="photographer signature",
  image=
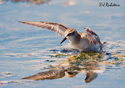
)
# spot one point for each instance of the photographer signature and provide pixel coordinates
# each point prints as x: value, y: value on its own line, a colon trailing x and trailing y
x: 106, y: 4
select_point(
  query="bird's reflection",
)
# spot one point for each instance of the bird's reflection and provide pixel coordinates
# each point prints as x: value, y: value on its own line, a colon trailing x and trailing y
x: 90, y: 76
x: 83, y: 63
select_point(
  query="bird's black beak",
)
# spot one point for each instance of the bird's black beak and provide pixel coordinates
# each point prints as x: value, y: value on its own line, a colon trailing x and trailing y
x: 63, y: 40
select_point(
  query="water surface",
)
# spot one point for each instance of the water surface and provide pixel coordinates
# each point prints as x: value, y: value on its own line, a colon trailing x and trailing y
x: 24, y: 49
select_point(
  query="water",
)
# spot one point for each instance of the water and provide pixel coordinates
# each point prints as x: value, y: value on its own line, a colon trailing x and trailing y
x: 24, y: 49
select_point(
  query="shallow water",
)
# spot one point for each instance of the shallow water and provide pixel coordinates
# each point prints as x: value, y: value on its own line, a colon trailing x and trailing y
x: 24, y: 49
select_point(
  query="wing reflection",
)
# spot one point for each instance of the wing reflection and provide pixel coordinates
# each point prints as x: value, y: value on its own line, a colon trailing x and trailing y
x: 53, y: 74
x: 87, y: 63
x: 90, y: 76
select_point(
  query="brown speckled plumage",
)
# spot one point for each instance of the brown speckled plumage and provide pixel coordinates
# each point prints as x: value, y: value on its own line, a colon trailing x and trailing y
x: 90, y: 36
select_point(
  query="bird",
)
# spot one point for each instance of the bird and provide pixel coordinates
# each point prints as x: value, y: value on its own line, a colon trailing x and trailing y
x: 88, y: 41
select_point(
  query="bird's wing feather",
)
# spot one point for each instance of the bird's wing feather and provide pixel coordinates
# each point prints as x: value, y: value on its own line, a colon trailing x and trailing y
x: 56, y: 27
x: 93, y: 37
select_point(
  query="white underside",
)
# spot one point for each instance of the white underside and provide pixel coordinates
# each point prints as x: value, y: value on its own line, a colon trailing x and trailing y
x: 84, y: 45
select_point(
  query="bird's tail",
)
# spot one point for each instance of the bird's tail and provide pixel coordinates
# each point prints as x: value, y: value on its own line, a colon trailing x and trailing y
x: 102, y: 45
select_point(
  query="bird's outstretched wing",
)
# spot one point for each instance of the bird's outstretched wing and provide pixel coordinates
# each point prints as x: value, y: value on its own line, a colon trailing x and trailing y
x: 93, y: 37
x: 56, y: 27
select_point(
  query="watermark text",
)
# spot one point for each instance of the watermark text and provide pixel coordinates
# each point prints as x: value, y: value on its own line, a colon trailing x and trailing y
x: 107, y: 4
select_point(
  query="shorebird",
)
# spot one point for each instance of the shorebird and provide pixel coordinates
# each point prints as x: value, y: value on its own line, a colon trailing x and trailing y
x: 88, y: 41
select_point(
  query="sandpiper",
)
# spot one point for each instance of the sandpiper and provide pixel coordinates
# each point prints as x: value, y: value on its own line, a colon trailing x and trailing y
x: 88, y: 41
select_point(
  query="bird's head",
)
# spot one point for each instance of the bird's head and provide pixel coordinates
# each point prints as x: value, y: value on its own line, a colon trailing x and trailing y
x: 69, y: 34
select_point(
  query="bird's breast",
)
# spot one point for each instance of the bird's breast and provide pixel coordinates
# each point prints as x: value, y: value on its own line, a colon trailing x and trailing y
x: 84, y: 45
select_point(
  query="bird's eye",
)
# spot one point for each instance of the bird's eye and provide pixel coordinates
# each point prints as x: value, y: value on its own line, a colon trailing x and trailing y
x: 71, y: 33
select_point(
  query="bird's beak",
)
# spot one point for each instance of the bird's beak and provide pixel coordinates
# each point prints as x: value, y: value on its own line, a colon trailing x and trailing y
x: 63, y: 40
